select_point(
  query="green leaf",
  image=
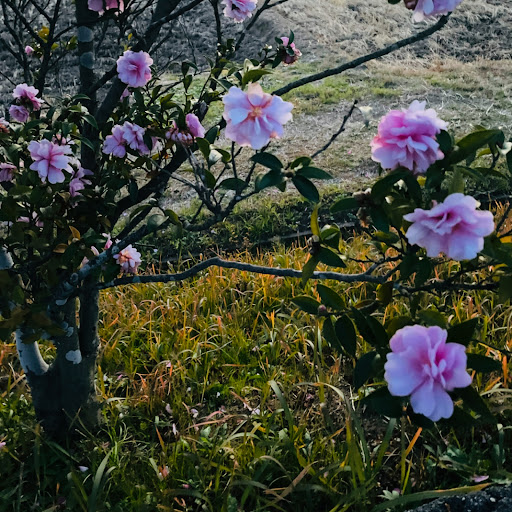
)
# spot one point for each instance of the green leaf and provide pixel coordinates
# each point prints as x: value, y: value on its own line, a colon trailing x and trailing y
x: 345, y: 203
x: 474, y: 401
x: 505, y: 289
x: 472, y: 142
x: 330, y: 258
x: 315, y: 228
x: 382, y: 187
x: 204, y: 147
x: 383, y: 402
x: 313, y: 173
x: 254, y: 75
x: 432, y: 317
x: 268, y: 160
x: 483, y: 364
x: 385, y: 293
x: 346, y: 333
x: 155, y: 221
x: 271, y: 179
x: 88, y: 118
x: 370, y: 329
x: 309, y: 268
x: 307, y: 304
x: 212, y: 134
x: 233, y: 184
x: 396, y: 323
x: 329, y: 335
x: 301, y: 161
x: 306, y: 188
x: 364, y: 368
x: 462, y: 333
x: 329, y: 297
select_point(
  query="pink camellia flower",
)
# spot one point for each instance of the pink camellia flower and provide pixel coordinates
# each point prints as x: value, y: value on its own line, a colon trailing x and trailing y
x: 29, y: 50
x: 126, y: 94
x: 79, y: 181
x: 101, y: 5
x: 133, y: 135
x: 129, y: 259
x: 407, y: 138
x: 19, y: 113
x: 254, y: 117
x: 290, y: 54
x: 115, y: 144
x: 108, y: 243
x: 27, y: 95
x: 133, y: 68
x: 239, y: 10
x: 426, y: 8
x: 453, y: 227
x: 6, y: 171
x: 424, y: 366
x: 186, y: 136
x: 50, y: 160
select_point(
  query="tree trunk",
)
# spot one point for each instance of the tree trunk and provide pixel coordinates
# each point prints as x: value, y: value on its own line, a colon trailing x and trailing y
x: 63, y: 394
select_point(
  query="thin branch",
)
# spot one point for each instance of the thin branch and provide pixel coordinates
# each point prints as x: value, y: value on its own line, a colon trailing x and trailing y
x: 338, y: 133
x: 361, y: 60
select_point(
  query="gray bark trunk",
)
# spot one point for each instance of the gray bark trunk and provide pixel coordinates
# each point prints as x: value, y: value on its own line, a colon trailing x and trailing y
x: 64, y: 394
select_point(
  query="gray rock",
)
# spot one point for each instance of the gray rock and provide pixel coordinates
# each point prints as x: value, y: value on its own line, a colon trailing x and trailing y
x: 494, y: 499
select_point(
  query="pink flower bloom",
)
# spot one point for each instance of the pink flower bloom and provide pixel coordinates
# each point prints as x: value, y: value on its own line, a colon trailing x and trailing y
x: 133, y: 68
x: 3, y: 446
x: 133, y: 135
x: 19, y: 113
x: 126, y: 94
x: 407, y: 138
x: 187, y: 137
x: 239, y: 10
x: 129, y: 259
x: 101, y: 5
x: 50, y: 160
x: 108, y: 243
x: 79, y: 181
x: 29, y: 50
x: 290, y: 54
x: 424, y: 366
x: 427, y: 8
x: 6, y: 171
x: 454, y: 227
x: 27, y: 95
x: 254, y: 117
x: 115, y: 144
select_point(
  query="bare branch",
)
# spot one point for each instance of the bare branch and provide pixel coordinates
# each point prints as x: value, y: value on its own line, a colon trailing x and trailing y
x: 365, y: 58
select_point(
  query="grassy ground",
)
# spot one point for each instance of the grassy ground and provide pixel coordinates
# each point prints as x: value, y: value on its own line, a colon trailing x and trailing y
x: 221, y: 395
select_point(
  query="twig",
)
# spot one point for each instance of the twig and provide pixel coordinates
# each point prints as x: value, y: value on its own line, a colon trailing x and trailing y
x: 338, y: 133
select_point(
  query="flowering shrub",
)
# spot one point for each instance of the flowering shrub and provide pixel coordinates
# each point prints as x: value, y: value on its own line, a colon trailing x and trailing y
x: 103, y: 163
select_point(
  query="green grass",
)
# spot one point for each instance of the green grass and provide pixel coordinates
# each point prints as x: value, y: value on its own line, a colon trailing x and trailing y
x: 216, y: 399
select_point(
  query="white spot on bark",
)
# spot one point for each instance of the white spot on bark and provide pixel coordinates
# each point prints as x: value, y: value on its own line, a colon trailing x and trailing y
x: 74, y: 356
